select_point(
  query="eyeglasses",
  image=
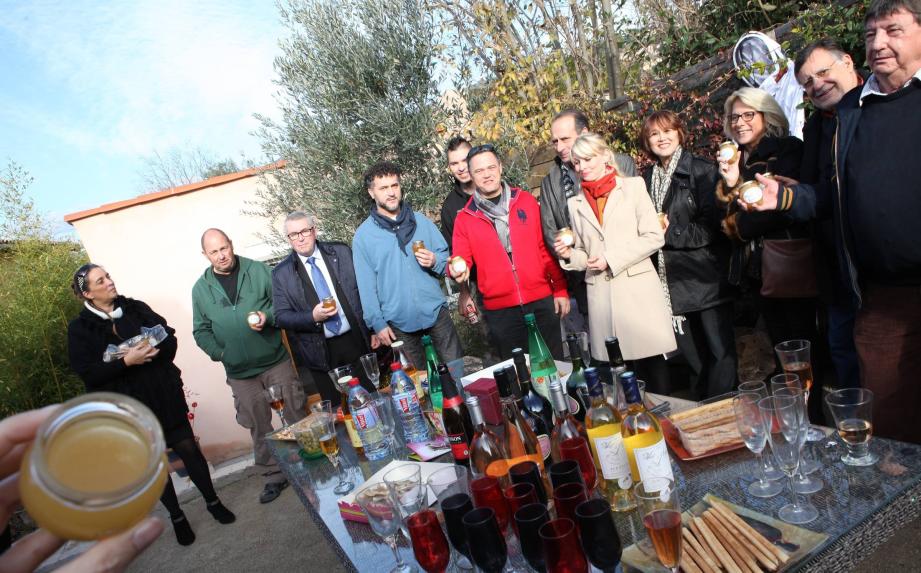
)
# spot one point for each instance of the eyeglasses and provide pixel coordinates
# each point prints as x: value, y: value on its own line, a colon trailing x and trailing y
x: 745, y: 116
x: 486, y: 147
x: 819, y: 75
x: 301, y: 234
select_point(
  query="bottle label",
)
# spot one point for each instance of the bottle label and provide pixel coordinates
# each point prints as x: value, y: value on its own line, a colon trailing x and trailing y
x: 365, y: 418
x: 353, y: 432
x: 460, y: 449
x: 545, y: 448
x: 612, y: 457
x: 418, y: 378
x: 575, y: 406
x: 407, y: 402
x: 541, y: 383
x: 653, y: 462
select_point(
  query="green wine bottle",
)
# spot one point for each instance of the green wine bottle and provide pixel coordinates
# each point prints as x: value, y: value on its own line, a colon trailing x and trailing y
x: 543, y: 368
x: 431, y: 368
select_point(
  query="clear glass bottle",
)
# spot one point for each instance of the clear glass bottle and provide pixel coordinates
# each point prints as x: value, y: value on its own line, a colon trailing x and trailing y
x: 367, y: 422
x: 519, y: 439
x: 487, y: 456
x: 643, y: 439
x: 602, y: 423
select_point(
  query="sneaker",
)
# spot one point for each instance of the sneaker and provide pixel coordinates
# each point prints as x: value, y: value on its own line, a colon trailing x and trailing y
x: 272, y: 491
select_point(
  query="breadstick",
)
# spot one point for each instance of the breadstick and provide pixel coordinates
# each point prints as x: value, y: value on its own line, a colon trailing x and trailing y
x: 750, y: 532
x: 718, y: 549
x: 699, y: 561
x: 687, y: 564
x: 743, y: 558
x: 763, y: 556
x: 704, y: 546
x: 694, y: 544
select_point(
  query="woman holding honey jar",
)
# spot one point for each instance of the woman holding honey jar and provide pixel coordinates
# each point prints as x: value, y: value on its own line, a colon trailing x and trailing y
x: 144, y: 372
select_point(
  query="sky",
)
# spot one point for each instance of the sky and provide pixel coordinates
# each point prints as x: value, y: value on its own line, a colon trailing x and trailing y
x: 88, y: 90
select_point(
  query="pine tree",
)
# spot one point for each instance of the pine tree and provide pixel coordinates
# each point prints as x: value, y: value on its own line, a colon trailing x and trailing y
x: 357, y: 86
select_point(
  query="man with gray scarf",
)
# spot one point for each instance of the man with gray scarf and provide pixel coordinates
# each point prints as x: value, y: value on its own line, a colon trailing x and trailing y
x: 499, y: 233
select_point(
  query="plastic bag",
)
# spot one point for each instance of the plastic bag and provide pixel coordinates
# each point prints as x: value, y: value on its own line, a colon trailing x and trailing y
x: 152, y: 336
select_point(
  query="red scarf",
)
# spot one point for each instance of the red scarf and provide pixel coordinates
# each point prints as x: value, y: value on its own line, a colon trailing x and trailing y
x: 597, y: 191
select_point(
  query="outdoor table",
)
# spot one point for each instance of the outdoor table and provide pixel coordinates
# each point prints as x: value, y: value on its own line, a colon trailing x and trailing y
x: 859, y: 508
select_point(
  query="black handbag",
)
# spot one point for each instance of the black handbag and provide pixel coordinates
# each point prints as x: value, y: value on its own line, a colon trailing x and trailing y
x: 788, y: 269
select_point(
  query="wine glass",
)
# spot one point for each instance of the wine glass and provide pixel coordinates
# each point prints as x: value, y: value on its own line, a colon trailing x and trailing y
x: 804, y: 484
x: 372, y: 369
x: 577, y: 449
x: 407, y: 490
x: 429, y: 544
x: 488, y: 493
x: 485, y: 539
x: 565, y: 471
x: 794, y: 356
x: 784, y: 420
x: 529, y: 472
x: 324, y: 431
x: 600, y: 540
x: 658, y: 503
x: 754, y: 434
x: 566, y: 498
x: 275, y: 395
x: 528, y: 521
x: 808, y: 464
x: 852, y: 409
x: 384, y: 517
x: 760, y: 388
x: 561, y: 547
x: 519, y: 495
x: 451, y: 485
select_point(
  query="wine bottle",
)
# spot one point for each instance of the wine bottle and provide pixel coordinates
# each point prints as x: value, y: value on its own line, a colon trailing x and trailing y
x: 646, y: 449
x: 520, y: 441
x: 350, y: 428
x: 575, y: 385
x: 569, y: 436
x: 487, y: 456
x: 534, y: 403
x: 602, y: 423
x: 399, y: 355
x: 431, y: 369
x: 456, y: 418
x: 613, y: 391
x: 543, y: 367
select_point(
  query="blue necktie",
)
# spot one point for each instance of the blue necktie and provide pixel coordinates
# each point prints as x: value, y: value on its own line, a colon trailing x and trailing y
x: 334, y: 323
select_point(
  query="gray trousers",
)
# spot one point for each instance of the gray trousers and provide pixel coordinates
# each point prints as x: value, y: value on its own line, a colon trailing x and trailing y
x: 444, y: 337
x: 254, y: 413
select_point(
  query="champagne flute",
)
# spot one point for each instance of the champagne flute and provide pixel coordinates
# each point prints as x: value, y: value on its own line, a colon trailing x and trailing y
x: 561, y: 547
x: 451, y: 485
x: 805, y: 484
x: 429, y: 544
x: 566, y: 498
x: 384, y: 517
x: 528, y: 521
x: 754, y: 434
x: 600, y: 540
x: 517, y: 496
x: 487, y: 492
x: 808, y: 464
x: 275, y: 395
x: 795, y: 358
x: 324, y: 430
x: 407, y: 490
x: 372, y: 369
x: 784, y: 420
x: 760, y: 388
x: 658, y: 503
x: 486, y: 541
x: 852, y: 409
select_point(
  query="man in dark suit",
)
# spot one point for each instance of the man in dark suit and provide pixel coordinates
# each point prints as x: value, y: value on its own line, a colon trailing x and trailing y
x: 322, y: 337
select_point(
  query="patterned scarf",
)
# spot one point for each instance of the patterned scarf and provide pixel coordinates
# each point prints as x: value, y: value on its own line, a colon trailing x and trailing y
x: 497, y: 213
x: 661, y: 181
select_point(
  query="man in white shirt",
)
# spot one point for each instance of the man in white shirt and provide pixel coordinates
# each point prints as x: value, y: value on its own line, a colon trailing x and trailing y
x: 323, y: 335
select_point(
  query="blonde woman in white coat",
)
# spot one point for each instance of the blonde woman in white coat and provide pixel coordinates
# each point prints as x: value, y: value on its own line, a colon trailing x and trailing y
x: 616, y: 231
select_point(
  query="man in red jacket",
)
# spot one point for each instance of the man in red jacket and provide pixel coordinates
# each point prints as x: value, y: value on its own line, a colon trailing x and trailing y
x: 499, y: 233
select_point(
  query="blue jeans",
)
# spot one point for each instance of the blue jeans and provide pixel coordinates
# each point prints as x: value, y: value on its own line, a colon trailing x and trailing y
x: 841, y: 343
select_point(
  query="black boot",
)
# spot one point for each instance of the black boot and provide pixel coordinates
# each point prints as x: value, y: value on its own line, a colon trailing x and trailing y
x: 183, y: 530
x: 220, y: 513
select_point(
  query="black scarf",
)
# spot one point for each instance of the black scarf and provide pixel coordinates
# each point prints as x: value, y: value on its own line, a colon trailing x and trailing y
x: 404, y: 226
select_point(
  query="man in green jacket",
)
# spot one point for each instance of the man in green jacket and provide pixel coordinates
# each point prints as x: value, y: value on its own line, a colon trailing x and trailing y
x: 252, y: 353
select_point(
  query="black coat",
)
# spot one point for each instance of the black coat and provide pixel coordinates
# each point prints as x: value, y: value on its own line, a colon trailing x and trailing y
x: 293, y: 300
x: 156, y: 384
x: 696, y: 252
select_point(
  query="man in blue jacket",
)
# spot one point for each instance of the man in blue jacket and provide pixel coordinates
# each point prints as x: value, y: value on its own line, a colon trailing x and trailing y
x: 399, y: 281
x: 875, y: 206
x: 322, y: 337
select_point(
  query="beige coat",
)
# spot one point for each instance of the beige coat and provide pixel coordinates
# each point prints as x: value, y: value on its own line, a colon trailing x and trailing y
x: 626, y: 299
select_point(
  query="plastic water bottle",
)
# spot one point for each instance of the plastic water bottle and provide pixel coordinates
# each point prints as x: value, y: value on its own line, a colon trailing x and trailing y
x: 367, y: 421
x: 406, y: 403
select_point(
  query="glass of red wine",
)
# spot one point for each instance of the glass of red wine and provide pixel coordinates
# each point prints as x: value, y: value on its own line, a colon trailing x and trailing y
x: 517, y: 496
x: 566, y: 498
x: 598, y: 534
x: 454, y: 507
x: 429, y: 544
x: 561, y: 547
x: 565, y: 471
x: 529, y: 472
x: 485, y: 539
x: 657, y: 500
x: 577, y: 449
x: 488, y: 493
x: 528, y: 521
